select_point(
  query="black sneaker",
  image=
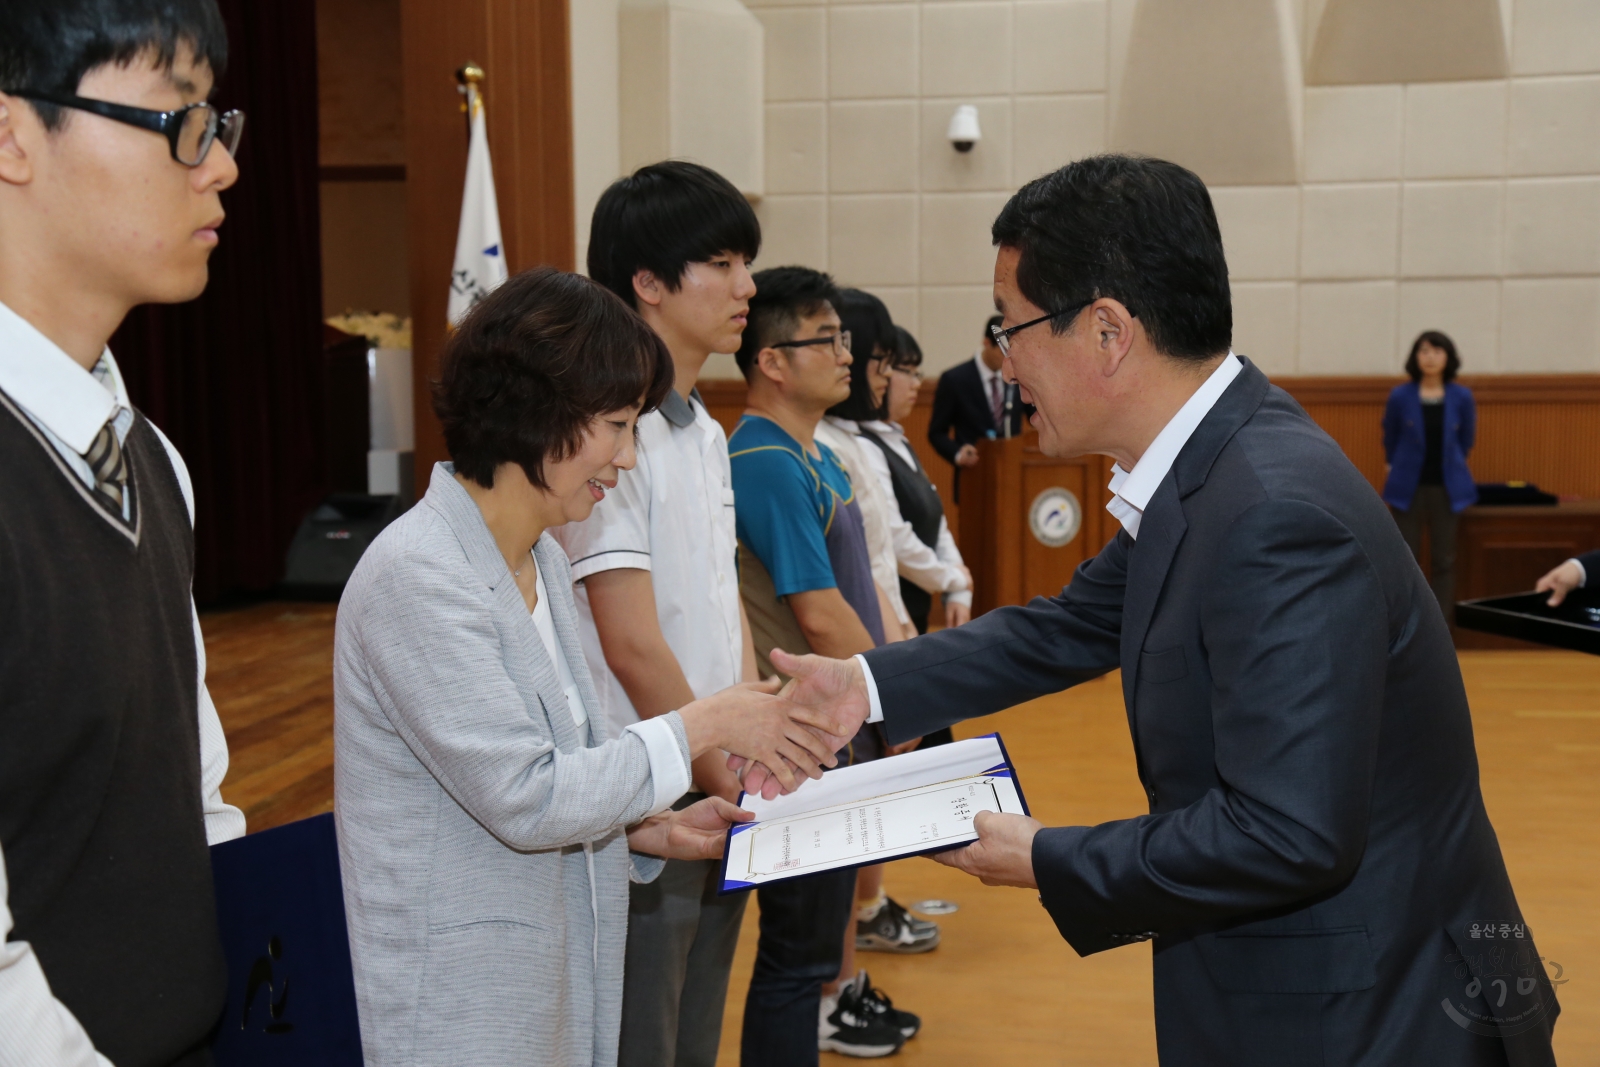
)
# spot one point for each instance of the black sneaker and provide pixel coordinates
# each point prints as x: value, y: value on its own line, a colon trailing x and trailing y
x: 849, y: 1026
x: 863, y: 998
x: 894, y: 929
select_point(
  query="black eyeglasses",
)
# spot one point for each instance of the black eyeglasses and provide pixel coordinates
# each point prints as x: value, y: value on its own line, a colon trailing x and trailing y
x: 840, y: 342
x: 1002, y: 338
x: 189, y: 130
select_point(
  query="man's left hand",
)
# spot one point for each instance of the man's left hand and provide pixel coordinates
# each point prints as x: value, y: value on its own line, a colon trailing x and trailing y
x: 1003, y: 853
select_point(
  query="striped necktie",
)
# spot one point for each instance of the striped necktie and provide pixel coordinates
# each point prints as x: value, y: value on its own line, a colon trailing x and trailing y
x: 107, y: 464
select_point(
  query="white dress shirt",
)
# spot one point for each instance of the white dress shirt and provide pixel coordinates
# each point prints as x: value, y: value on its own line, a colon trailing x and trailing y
x: 844, y: 437
x: 1132, y: 490
x: 935, y: 569
x: 70, y: 405
x: 672, y: 515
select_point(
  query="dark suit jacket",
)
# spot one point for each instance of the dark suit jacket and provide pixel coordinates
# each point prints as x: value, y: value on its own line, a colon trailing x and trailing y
x: 1317, y: 851
x: 1590, y: 562
x: 961, y: 413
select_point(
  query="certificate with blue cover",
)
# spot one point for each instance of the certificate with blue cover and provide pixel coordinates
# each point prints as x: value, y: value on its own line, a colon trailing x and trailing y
x: 280, y: 910
x: 908, y: 805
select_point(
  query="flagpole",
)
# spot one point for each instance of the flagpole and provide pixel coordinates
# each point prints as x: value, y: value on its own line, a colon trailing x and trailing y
x: 479, y: 264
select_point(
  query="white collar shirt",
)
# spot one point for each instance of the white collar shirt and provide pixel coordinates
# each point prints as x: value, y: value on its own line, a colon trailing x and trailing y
x: 1131, y: 490
x: 986, y: 375
x: 672, y: 515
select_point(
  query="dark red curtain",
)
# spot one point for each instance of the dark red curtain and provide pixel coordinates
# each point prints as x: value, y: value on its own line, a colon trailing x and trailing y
x: 235, y: 377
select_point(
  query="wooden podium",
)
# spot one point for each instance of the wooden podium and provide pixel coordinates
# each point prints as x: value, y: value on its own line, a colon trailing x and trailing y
x: 1028, y: 520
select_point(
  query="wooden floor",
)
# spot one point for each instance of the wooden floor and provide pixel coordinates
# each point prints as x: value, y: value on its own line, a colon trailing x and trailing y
x: 1003, y: 987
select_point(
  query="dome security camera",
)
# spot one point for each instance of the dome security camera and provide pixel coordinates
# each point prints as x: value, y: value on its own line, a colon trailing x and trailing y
x: 963, y: 131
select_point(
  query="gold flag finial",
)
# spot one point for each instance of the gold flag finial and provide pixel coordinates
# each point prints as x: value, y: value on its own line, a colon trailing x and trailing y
x: 469, y: 83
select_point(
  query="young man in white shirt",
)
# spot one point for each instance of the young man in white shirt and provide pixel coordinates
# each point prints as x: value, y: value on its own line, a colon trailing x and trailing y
x: 658, y: 585
x: 111, y: 163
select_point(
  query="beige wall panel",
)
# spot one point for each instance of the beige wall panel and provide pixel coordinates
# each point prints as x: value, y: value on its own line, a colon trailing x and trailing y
x: 1555, y: 126
x: 1353, y: 132
x: 596, y: 102
x: 1349, y: 231
x: 1553, y: 226
x: 794, y: 231
x: 797, y: 148
x: 872, y: 50
x: 1260, y: 230
x: 1215, y: 87
x: 1051, y: 131
x: 753, y: 4
x: 966, y: 48
x: 1060, y: 46
x: 987, y: 166
x: 1555, y: 37
x: 956, y: 248
x: 692, y: 86
x: 1456, y: 130
x: 902, y: 301
x: 1265, y: 325
x: 1348, y: 327
x: 797, y: 59
x: 1550, y: 324
x: 872, y: 240
x: 1451, y: 229
x: 1469, y: 311
x: 872, y: 146
x: 1374, y: 41
x: 952, y: 323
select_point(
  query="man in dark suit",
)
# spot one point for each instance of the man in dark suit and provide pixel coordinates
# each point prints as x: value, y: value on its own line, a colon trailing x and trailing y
x: 1317, y: 872
x: 973, y: 401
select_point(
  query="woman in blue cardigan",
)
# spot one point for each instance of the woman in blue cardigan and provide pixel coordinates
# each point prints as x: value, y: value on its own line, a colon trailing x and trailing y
x: 1429, y: 426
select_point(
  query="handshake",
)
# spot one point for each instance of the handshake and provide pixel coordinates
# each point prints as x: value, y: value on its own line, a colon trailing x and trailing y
x: 779, y: 737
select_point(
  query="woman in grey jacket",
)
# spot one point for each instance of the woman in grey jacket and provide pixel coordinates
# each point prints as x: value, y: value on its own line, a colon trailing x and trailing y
x: 485, y: 816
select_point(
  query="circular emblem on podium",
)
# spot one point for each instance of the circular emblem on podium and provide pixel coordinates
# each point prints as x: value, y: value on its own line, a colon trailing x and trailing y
x: 1055, y: 517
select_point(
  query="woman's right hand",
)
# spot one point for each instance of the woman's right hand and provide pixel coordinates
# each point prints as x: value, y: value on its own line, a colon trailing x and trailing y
x: 698, y: 832
x: 1560, y: 581
x: 752, y: 722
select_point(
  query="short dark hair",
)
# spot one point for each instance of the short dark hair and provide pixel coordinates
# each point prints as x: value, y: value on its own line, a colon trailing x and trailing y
x: 907, y: 352
x: 663, y: 217
x: 1452, y: 361
x: 988, y: 327
x: 784, y: 296
x: 533, y: 364
x: 49, y: 45
x: 871, y: 328
x: 1138, y: 230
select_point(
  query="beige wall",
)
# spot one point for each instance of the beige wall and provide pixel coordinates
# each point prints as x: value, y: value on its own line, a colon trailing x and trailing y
x: 1354, y: 214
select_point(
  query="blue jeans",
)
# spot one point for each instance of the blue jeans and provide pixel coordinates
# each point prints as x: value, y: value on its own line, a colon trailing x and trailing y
x: 801, y: 947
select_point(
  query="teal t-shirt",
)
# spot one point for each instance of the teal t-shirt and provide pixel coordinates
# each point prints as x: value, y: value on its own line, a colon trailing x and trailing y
x: 798, y: 514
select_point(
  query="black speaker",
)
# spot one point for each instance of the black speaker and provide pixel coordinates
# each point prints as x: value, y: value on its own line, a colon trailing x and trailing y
x: 330, y: 542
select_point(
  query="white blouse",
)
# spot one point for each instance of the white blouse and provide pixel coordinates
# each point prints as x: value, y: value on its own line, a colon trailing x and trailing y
x: 545, y: 624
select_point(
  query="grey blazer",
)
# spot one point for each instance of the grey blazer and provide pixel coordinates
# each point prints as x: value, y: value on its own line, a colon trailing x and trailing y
x: 483, y: 931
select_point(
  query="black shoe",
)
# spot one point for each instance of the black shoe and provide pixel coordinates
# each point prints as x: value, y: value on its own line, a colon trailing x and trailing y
x: 861, y: 998
x: 849, y: 1026
x: 894, y: 929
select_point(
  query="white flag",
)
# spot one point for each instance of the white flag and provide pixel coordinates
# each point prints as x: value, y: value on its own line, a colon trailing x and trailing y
x: 480, y: 257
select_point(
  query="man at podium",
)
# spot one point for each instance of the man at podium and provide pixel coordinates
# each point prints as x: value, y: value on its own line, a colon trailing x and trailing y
x: 1317, y: 871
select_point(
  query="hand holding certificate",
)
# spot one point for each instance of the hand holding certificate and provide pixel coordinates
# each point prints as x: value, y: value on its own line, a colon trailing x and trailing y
x: 920, y: 802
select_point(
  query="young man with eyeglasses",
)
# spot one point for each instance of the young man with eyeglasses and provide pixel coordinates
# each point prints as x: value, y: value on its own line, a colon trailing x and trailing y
x: 657, y: 588
x: 111, y: 163
x: 806, y: 578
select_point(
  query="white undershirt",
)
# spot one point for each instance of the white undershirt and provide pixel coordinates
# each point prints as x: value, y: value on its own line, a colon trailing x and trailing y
x: 546, y: 625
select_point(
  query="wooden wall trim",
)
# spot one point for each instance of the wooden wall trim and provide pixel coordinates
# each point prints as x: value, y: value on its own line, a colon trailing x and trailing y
x: 523, y: 48
x: 1487, y: 388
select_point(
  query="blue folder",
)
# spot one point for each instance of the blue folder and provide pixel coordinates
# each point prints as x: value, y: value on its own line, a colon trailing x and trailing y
x: 280, y: 907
